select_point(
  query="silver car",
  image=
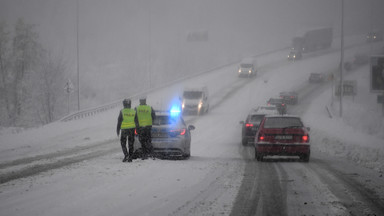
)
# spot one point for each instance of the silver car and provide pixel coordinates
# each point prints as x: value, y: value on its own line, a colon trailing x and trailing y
x: 171, y: 137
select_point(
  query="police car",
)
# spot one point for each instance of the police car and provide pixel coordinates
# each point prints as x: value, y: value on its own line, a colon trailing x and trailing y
x: 171, y: 137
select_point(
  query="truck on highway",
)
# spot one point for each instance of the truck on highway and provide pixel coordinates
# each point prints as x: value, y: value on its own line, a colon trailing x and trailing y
x: 312, y: 40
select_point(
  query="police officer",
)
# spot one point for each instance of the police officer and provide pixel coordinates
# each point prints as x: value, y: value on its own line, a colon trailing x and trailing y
x: 126, y: 122
x: 145, y: 116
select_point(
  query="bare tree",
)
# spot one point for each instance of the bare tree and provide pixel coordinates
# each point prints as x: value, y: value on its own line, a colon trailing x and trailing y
x: 26, y: 51
x: 50, y: 77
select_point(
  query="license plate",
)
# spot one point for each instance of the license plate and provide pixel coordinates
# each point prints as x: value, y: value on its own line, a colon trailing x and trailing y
x: 283, y: 137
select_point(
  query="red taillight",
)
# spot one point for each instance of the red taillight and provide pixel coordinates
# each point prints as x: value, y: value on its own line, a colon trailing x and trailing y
x: 261, y: 138
x: 182, y: 131
x: 178, y: 132
x: 292, y: 96
x: 135, y: 132
x: 248, y: 125
x: 305, y: 138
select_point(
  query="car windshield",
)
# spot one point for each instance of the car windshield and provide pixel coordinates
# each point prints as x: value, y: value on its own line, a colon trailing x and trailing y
x: 275, y: 100
x: 165, y: 120
x: 268, y: 108
x: 282, y: 122
x: 246, y: 65
x: 192, y: 94
x: 256, y: 118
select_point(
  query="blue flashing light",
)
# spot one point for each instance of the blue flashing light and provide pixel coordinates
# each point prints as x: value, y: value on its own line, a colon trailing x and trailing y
x: 175, y: 111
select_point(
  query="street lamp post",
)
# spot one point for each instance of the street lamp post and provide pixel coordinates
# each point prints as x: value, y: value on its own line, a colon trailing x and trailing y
x: 77, y: 54
x: 342, y: 58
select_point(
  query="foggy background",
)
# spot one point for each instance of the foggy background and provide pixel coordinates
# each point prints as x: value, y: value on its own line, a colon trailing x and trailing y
x: 128, y: 46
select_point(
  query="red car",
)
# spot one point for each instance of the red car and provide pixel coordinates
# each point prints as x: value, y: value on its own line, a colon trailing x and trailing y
x: 282, y: 136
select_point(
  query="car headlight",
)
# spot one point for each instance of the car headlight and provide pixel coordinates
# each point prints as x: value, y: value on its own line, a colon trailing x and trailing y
x: 250, y: 71
x: 294, y: 56
x: 200, y: 105
x: 182, y: 105
x: 239, y: 70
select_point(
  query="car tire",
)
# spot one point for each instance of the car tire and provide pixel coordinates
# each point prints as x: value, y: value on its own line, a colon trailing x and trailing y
x: 305, y: 157
x: 258, y: 156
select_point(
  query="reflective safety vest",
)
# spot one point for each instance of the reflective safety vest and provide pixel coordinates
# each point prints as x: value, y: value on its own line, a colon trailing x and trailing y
x: 128, y: 118
x: 144, y: 115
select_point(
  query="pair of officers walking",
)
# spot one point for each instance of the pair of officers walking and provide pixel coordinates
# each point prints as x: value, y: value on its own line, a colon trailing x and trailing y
x: 140, y: 119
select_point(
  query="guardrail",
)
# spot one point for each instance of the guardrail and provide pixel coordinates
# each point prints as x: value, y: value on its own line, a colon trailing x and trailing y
x: 90, y: 112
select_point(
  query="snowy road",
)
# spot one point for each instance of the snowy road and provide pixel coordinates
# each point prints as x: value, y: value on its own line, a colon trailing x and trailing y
x: 325, y: 186
x: 75, y: 168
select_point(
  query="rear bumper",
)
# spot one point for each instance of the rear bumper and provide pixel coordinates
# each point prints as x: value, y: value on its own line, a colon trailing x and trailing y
x: 168, y: 146
x: 282, y: 149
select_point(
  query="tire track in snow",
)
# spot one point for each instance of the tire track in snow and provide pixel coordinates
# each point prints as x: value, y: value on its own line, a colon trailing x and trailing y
x: 358, y: 199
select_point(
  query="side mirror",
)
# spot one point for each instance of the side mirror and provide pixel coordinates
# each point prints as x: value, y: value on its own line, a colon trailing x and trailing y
x: 191, y: 127
x: 241, y: 122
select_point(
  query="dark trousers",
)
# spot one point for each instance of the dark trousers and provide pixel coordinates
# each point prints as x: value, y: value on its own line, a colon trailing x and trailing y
x: 130, y: 134
x: 145, y: 138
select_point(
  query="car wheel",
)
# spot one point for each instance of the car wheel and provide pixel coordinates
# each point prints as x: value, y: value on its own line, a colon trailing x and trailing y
x: 258, y: 156
x: 305, y: 157
x: 186, y: 156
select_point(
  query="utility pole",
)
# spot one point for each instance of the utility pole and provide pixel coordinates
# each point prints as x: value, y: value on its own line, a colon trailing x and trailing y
x: 77, y: 52
x: 342, y: 59
x: 149, y: 44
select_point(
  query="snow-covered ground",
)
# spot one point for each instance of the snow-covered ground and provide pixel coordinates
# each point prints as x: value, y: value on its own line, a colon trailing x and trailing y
x: 208, y: 182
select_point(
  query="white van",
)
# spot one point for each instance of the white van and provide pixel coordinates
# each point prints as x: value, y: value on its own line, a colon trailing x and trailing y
x: 247, y: 68
x: 195, y: 100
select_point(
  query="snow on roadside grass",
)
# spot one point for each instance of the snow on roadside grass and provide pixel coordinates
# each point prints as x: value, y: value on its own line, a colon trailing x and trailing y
x: 352, y: 135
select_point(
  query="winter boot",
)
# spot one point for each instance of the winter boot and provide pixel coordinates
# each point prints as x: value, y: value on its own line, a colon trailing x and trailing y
x: 126, y: 158
x: 129, y: 160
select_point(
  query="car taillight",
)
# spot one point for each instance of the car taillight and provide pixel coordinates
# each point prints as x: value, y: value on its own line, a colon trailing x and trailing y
x: 305, y: 138
x: 248, y: 125
x: 178, y: 132
x: 261, y: 138
x: 135, y: 132
x: 182, y: 131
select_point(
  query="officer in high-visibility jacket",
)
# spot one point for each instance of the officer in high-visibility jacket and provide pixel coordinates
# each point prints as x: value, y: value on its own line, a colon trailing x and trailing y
x: 126, y: 123
x: 144, y: 118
